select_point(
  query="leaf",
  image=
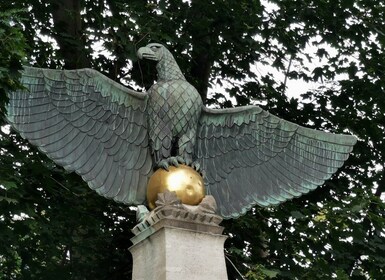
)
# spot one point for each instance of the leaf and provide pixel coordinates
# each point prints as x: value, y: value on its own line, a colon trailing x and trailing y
x: 271, y: 273
x: 297, y: 214
x: 8, y: 184
x: 9, y: 200
x: 318, y: 73
x: 358, y: 207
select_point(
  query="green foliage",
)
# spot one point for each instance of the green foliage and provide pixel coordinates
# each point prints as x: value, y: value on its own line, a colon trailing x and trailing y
x: 12, y: 53
x: 258, y: 272
x: 53, y: 226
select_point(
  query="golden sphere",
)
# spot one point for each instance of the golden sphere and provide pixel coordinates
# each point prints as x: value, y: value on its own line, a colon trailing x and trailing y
x: 184, y: 180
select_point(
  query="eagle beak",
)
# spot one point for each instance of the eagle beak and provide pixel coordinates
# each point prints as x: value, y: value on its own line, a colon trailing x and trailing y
x: 147, y: 53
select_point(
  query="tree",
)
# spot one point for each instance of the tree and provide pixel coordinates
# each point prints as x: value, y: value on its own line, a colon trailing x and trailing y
x: 333, y: 232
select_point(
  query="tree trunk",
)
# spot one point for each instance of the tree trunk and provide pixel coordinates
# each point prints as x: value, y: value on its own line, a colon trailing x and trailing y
x: 200, y: 70
x: 68, y: 33
x: 202, y: 59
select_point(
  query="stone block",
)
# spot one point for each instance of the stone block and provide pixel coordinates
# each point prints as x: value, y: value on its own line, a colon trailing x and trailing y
x: 175, y: 251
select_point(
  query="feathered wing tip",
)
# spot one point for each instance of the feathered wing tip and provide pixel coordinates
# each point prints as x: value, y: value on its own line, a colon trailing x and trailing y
x: 254, y: 158
x: 89, y: 124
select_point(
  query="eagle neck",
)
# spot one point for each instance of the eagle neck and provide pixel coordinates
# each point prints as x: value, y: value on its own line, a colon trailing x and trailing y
x: 168, y: 69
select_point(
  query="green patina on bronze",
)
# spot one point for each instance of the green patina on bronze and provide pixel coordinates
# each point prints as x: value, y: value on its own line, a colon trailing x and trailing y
x: 113, y: 137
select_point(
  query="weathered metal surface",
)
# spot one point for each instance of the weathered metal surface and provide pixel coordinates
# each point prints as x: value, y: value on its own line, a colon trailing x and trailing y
x: 174, y: 107
x: 113, y: 136
x: 252, y: 157
x: 88, y: 124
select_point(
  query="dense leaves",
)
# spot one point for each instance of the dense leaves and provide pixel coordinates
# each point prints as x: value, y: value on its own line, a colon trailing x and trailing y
x: 12, y: 44
x: 53, y: 226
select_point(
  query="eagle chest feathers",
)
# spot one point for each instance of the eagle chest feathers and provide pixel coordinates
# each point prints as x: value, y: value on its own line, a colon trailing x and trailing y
x: 173, y: 110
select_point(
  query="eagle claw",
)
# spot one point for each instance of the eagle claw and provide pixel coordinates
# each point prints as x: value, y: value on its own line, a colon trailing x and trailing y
x: 171, y: 161
x: 197, y: 167
x: 175, y: 161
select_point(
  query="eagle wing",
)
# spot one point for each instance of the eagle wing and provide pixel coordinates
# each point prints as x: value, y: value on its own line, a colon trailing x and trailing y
x: 89, y: 124
x: 252, y: 157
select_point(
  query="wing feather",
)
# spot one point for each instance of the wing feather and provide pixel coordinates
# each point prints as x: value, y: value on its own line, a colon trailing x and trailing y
x: 88, y: 124
x: 254, y: 158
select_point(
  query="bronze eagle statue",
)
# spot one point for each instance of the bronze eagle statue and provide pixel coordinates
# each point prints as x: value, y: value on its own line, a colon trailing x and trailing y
x: 113, y: 137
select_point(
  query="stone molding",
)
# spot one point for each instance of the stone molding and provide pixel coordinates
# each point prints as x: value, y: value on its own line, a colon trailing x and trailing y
x: 171, y: 212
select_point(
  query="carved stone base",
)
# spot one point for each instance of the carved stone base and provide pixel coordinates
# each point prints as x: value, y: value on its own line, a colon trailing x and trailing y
x: 176, y: 241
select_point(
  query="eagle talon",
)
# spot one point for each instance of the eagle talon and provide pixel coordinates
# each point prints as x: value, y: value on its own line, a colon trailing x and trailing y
x: 163, y: 164
x: 175, y: 161
x: 196, y: 166
x: 203, y: 173
x: 181, y: 160
x: 188, y: 162
x: 171, y: 161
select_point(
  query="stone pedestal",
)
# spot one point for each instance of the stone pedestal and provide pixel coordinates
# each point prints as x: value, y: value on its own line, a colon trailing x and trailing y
x: 179, y: 243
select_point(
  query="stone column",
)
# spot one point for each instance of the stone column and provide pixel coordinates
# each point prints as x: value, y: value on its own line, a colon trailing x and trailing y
x: 179, y: 243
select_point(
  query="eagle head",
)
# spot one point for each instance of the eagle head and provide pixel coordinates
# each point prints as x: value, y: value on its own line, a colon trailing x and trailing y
x: 152, y: 51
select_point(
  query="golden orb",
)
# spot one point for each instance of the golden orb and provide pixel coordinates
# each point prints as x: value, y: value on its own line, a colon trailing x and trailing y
x: 184, y: 180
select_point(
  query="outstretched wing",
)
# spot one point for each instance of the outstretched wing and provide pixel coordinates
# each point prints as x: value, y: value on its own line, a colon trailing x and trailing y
x: 89, y: 124
x: 253, y: 157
